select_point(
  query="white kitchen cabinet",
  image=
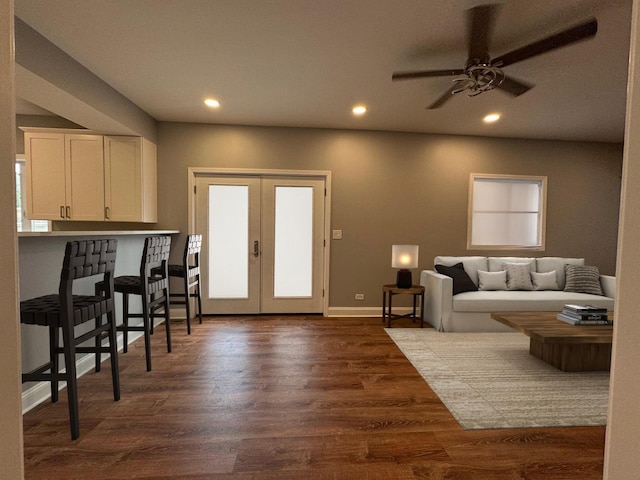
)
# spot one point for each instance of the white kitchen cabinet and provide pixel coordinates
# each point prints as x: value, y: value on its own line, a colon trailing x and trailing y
x: 85, y: 177
x: 130, y: 179
x: 65, y: 175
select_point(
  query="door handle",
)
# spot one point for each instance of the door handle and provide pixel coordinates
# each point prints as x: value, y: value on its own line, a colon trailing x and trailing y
x: 68, y: 210
x: 106, y: 212
x: 256, y: 248
x: 61, y: 211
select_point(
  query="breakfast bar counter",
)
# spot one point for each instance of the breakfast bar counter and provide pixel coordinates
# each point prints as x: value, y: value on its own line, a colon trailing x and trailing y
x: 40, y: 256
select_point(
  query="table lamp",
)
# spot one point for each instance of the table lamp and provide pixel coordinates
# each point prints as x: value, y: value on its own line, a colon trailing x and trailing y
x: 404, y: 257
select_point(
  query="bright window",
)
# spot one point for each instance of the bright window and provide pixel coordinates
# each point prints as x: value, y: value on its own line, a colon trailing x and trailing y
x: 506, y: 212
x: 23, y: 223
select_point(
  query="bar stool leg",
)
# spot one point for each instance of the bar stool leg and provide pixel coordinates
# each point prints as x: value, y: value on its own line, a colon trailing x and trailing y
x: 54, y: 340
x: 147, y: 330
x: 167, y: 319
x: 151, y: 313
x: 187, y: 299
x: 199, y: 299
x: 113, y: 350
x: 98, y: 341
x: 72, y: 386
x: 125, y: 322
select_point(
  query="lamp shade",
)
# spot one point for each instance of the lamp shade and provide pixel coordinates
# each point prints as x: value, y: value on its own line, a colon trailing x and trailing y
x: 404, y: 256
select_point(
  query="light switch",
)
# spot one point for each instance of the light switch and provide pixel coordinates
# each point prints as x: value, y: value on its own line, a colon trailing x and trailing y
x: 337, y: 235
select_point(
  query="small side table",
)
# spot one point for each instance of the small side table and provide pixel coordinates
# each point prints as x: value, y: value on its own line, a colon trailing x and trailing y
x: 388, y: 291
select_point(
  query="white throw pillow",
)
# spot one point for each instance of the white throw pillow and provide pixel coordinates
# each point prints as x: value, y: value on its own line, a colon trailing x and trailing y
x: 518, y: 276
x: 492, y: 280
x: 545, y: 280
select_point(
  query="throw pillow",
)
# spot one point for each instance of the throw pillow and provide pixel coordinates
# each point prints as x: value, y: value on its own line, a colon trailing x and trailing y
x: 518, y: 276
x: 461, y: 280
x: 545, y: 280
x: 492, y: 280
x: 582, y: 279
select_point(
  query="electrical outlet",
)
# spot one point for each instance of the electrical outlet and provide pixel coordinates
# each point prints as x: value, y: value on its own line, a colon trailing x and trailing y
x: 337, y: 235
x: 359, y: 296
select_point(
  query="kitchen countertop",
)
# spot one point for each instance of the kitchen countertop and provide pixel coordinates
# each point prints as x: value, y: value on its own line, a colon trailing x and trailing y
x: 95, y: 233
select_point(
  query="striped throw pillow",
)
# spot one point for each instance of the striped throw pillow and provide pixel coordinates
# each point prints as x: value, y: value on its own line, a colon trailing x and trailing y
x: 582, y: 279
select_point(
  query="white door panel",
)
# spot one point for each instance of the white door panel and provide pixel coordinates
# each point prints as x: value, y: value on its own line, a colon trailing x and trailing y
x: 263, y: 244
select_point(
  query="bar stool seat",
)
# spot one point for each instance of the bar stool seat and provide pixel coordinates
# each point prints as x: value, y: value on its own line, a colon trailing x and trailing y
x: 65, y: 311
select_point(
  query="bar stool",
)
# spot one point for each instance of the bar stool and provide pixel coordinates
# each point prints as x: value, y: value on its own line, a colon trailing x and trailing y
x: 153, y: 288
x: 189, y: 271
x: 65, y: 311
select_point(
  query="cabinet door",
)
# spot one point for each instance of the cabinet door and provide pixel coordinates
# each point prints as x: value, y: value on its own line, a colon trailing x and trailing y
x: 85, y: 177
x: 123, y: 179
x: 45, y: 168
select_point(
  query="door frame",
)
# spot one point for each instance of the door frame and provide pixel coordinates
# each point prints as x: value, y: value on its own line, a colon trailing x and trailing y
x: 194, y: 172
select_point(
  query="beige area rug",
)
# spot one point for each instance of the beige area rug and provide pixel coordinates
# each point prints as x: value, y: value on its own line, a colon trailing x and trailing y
x: 489, y: 380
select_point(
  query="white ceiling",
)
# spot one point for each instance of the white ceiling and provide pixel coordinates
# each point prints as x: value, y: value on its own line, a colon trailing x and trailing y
x: 305, y: 63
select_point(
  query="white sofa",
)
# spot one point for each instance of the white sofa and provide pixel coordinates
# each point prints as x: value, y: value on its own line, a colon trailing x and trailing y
x: 471, y: 311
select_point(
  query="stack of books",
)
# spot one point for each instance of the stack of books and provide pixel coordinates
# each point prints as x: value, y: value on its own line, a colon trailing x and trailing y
x: 584, y: 315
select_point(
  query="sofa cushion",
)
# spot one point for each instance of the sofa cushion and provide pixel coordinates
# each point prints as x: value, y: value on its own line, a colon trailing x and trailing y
x: 461, y: 280
x: 545, y: 280
x: 547, y: 264
x: 583, y: 279
x: 524, y: 301
x: 497, y: 263
x: 492, y: 280
x: 518, y: 276
x: 471, y: 264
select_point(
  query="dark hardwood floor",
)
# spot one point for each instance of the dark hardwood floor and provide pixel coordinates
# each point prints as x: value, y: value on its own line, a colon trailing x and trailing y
x: 284, y: 398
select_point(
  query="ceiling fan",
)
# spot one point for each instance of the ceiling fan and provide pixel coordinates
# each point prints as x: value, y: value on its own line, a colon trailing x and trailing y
x: 481, y: 73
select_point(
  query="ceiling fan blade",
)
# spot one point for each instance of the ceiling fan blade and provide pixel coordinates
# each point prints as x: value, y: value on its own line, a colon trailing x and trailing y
x: 514, y: 87
x: 479, y: 24
x: 445, y: 96
x: 426, y: 74
x: 562, y: 39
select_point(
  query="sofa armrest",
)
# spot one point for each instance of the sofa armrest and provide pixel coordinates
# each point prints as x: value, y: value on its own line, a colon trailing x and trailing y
x: 608, y: 284
x: 438, y: 298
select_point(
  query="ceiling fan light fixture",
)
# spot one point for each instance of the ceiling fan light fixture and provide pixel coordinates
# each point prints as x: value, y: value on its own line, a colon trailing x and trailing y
x: 479, y: 78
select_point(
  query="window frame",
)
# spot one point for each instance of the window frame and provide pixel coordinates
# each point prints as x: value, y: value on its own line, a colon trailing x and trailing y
x: 541, y: 181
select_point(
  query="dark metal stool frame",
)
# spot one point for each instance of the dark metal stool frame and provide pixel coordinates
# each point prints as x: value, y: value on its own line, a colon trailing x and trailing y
x: 153, y: 286
x: 65, y: 311
x: 189, y: 271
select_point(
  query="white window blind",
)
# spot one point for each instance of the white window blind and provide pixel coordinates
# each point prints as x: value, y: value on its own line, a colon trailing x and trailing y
x: 506, y: 212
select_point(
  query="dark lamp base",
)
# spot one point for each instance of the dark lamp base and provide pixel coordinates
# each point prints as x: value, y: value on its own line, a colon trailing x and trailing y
x: 403, y: 279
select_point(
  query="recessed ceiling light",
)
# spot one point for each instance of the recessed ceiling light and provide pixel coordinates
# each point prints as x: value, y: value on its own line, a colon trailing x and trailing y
x: 359, y: 110
x: 492, y: 117
x: 212, y: 102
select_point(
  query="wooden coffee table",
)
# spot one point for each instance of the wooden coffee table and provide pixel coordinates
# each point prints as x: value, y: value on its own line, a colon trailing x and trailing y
x: 570, y: 348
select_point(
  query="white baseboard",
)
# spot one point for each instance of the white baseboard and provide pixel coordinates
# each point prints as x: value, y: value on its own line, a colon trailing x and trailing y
x: 364, y: 311
x: 41, y: 391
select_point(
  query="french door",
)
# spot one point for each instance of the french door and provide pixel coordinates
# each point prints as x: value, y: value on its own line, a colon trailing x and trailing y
x: 263, y: 243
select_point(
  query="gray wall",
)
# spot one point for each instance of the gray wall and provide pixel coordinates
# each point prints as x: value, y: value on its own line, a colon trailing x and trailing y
x: 405, y: 188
